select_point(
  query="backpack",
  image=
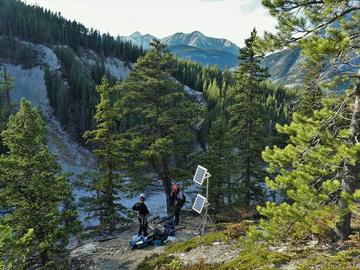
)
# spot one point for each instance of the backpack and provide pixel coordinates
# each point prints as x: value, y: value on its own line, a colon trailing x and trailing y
x: 182, y: 198
x: 169, y: 228
x: 159, y: 235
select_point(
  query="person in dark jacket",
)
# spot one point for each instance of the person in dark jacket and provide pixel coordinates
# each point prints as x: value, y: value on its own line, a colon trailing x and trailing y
x: 143, y: 213
x: 177, y: 199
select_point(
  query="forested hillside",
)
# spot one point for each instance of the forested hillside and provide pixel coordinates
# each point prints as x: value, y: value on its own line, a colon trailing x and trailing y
x: 284, y: 161
x: 72, y: 93
x: 34, y: 23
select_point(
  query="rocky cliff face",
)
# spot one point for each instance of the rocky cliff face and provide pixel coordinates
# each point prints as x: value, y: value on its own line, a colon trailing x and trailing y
x: 30, y: 84
x: 285, y: 67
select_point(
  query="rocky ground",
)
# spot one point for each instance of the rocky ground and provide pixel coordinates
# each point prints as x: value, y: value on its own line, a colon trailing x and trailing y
x: 116, y: 253
x: 224, y: 247
x: 216, y: 253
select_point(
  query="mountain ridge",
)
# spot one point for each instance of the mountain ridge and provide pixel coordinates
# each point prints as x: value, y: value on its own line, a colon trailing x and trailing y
x: 196, y: 46
x: 195, y: 39
x: 207, y: 50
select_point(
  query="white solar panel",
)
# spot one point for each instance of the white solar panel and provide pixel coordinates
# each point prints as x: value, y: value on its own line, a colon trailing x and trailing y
x: 200, y: 174
x: 199, y: 203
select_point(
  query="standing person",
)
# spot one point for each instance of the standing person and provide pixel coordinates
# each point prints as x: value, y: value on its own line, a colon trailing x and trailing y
x: 143, y: 213
x: 178, y: 200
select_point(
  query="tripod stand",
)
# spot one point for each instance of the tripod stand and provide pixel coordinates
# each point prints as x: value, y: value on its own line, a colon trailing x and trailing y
x: 206, y: 218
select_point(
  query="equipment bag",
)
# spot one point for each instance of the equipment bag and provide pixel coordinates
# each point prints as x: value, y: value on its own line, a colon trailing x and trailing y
x: 139, y: 241
x: 169, y: 228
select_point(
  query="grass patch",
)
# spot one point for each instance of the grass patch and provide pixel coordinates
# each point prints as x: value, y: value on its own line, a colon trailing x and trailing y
x: 343, y: 260
x: 155, y: 261
x: 200, y: 266
x: 193, y: 243
x: 257, y: 256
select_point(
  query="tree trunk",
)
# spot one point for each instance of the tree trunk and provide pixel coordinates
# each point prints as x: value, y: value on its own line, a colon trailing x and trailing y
x: 343, y: 227
x: 110, y: 201
x: 44, y: 257
x: 248, y: 162
x: 167, y: 189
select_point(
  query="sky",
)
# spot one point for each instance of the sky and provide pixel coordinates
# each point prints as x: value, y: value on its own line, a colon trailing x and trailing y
x: 230, y: 19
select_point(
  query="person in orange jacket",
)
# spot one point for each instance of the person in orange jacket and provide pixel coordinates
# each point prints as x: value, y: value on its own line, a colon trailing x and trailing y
x: 177, y: 199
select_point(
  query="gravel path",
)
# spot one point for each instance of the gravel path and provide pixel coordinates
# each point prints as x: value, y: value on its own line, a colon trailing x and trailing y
x: 116, y: 254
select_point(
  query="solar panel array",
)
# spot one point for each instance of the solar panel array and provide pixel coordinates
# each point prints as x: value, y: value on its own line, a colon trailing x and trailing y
x: 200, y: 174
x: 199, y: 203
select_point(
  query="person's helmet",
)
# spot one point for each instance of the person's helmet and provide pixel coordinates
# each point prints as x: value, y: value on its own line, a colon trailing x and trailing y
x: 142, y: 196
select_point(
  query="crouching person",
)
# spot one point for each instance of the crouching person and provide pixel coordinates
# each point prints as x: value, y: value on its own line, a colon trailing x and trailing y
x: 143, y: 214
x: 178, y: 200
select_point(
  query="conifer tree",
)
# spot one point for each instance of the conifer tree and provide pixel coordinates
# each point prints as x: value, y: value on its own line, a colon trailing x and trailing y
x: 225, y: 187
x: 6, y: 83
x: 308, y: 172
x: 247, y: 119
x: 162, y: 117
x: 107, y: 182
x: 212, y: 94
x: 33, y: 193
x: 327, y: 31
x: 312, y: 94
x: 14, y: 250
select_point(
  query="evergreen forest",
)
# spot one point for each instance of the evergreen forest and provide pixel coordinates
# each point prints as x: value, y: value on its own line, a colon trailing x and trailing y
x: 284, y: 161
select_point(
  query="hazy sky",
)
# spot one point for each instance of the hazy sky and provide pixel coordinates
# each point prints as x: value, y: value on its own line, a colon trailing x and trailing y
x: 230, y: 19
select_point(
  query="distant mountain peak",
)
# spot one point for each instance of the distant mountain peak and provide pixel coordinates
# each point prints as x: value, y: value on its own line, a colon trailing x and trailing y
x: 139, y: 39
x: 198, y: 33
x: 135, y: 34
x: 201, y: 41
x: 194, y: 45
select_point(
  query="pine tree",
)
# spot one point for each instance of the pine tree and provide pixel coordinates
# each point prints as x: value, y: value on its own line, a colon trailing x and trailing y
x: 312, y: 92
x: 6, y: 83
x: 330, y: 29
x: 221, y: 158
x: 5, y: 87
x: 277, y: 109
x: 161, y: 130
x: 308, y: 172
x: 107, y: 183
x: 247, y: 119
x: 33, y: 192
x: 14, y: 250
x: 212, y: 94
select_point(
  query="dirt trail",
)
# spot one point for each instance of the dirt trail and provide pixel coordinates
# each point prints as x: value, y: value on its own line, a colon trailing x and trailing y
x: 116, y: 254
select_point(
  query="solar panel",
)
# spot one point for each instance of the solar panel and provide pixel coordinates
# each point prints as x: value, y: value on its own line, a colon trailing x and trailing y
x: 200, y: 174
x: 199, y: 203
